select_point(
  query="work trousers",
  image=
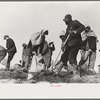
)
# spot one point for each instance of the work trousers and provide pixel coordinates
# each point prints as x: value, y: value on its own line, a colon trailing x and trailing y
x: 70, y: 55
x: 92, y: 59
x: 10, y: 57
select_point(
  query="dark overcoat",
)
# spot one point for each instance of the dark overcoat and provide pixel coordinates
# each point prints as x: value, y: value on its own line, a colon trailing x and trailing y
x: 10, y: 45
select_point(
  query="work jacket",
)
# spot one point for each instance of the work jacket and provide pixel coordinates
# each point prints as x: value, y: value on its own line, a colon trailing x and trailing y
x: 90, y: 42
x: 74, y: 39
x: 10, y: 45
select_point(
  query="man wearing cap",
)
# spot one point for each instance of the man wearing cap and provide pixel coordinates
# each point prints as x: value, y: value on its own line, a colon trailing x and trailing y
x: 73, y: 44
x: 11, y: 49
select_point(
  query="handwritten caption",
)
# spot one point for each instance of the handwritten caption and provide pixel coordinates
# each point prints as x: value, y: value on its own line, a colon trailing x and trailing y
x: 55, y: 85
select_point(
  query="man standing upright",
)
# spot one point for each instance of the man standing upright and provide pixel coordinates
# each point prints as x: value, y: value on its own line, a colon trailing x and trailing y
x: 73, y: 31
x: 11, y: 50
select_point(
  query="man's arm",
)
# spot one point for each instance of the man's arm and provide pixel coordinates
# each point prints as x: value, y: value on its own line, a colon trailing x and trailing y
x: 80, y: 27
x: 45, y: 48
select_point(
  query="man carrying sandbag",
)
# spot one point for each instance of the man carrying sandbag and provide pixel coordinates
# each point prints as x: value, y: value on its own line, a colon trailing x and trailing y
x: 89, y: 47
x: 36, y: 44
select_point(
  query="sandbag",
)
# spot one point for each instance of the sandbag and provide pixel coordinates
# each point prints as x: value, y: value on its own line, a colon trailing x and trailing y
x: 36, y: 65
x: 36, y: 38
x: 2, y: 52
x: 83, y: 63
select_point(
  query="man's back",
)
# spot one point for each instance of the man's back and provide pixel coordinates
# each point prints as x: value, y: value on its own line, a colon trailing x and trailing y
x: 10, y: 45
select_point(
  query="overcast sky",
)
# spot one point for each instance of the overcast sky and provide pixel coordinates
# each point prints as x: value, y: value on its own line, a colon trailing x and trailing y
x: 20, y: 19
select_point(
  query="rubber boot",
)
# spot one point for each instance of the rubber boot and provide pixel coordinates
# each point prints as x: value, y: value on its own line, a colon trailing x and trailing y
x: 8, y: 66
x: 58, y: 67
x: 66, y: 67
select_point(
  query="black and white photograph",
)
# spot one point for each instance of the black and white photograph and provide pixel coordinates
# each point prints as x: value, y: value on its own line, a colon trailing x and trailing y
x: 49, y: 49
x: 55, y: 42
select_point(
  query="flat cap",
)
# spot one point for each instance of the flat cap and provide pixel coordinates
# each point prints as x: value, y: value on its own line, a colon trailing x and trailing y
x: 5, y: 36
x: 24, y: 45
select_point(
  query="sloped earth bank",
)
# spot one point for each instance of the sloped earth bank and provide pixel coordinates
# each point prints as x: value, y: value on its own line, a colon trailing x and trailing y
x: 18, y: 76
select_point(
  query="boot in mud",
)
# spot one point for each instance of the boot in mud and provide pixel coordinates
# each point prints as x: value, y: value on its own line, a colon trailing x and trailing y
x: 58, y: 67
x: 66, y: 67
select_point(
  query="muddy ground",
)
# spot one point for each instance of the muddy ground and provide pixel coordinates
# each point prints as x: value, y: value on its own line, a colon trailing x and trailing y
x: 20, y: 77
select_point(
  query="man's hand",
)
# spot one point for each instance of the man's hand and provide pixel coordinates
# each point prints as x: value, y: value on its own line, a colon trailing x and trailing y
x: 74, y: 32
x: 81, y: 52
x: 70, y: 32
x: 34, y: 53
x: 6, y: 50
x: 87, y: 54
x: 63, y: 47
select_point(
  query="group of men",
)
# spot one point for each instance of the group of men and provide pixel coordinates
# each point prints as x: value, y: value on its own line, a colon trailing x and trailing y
x: 77, y: 37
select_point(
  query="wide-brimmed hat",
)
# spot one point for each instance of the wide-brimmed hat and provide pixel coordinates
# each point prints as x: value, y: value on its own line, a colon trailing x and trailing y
x: 68, y: 16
